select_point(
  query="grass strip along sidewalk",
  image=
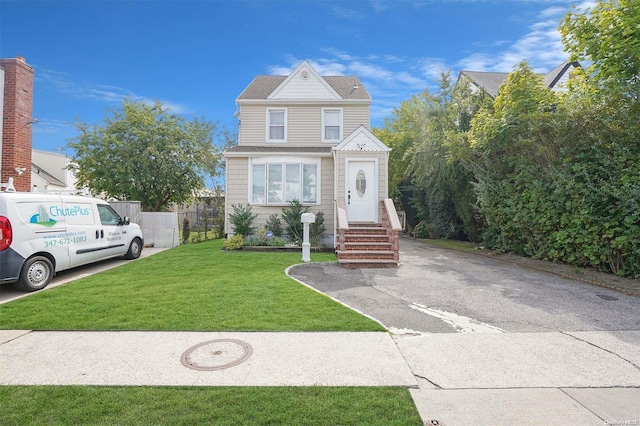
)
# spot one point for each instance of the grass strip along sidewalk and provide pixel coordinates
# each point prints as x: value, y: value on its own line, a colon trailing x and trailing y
x: 195, y: 287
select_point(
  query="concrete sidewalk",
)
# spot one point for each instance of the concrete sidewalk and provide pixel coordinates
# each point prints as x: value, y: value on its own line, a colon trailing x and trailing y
x: 577, y: 378
x: 222, y: 359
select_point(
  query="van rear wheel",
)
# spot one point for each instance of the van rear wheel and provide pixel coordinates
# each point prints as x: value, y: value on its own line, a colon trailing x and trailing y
x: 36, y: 274
x: 135, y: 248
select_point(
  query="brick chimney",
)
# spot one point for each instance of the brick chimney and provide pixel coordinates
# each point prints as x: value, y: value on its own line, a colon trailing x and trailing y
x: 17, y: 117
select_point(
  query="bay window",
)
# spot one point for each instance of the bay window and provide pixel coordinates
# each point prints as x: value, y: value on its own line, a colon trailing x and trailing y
x: 280, y: 183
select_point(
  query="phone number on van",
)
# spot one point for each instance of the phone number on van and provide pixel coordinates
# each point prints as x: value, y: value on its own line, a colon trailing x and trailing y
x: 64, y: 241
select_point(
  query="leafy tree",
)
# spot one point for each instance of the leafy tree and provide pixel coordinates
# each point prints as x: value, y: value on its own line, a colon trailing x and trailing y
x: 146, y: 153
x: 427, y: 135
x: 609, y: 35
x: 514, y: 143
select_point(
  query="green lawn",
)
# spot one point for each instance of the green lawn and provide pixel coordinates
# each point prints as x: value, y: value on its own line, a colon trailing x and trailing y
x: 97, y: 405
x: 192, y: 287
x: 196, y: 287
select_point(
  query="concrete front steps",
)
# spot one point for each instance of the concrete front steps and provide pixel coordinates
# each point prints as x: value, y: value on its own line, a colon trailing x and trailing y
x: 367, y: 245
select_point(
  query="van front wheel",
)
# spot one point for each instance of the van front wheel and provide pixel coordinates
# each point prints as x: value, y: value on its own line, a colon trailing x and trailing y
x: 135, y: 248
x: 36, y: 274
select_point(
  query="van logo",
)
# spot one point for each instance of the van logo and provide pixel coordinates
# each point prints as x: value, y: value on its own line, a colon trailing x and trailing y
x: 42, y: 218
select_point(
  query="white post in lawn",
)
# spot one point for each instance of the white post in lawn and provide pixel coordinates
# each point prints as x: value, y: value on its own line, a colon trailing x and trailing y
x: 306, y: 219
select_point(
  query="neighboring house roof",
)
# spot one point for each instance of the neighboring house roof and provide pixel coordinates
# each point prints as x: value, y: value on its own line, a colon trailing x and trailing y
x: 46, y: 176
x: 553, y: 76
x: 491, y: 81
x: 347, y: 87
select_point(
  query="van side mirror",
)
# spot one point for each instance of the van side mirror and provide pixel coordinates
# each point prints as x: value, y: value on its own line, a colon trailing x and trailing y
x: 125, y: 221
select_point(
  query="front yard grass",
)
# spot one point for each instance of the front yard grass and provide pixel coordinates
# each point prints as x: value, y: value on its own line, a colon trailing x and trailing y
x: 98, y: 405
x: 194, y: 287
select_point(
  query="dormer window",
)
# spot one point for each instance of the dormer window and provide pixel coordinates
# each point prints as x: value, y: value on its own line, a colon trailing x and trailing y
x: 331, y: 125
x: 276, y: 125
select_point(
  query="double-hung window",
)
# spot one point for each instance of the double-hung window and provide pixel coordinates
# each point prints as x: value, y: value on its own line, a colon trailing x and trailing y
x: 277, y: 125
x: 331, y: 125
x: 279, y: 183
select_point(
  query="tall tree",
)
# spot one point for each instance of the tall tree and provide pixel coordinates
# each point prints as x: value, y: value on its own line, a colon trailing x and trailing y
x: 609, y: 35
x: 431, y: 183
x: 146, y: 153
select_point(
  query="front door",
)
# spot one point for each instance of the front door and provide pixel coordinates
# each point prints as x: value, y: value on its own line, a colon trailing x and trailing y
x: 362, y: 191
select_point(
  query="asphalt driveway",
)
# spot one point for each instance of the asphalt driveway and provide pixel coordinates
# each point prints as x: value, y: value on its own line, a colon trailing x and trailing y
x: 436, y: 290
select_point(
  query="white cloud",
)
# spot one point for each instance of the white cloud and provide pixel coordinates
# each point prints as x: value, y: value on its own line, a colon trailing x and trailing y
x: 64, y: 83
x: 432, y: 68
x: 541, y: 47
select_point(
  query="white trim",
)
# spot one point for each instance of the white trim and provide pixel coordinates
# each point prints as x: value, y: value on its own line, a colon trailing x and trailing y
x: 375, y: 182
x: 304, y: 65
x: 268, y: 125
x: 362, y: 139
x: 340, y: 110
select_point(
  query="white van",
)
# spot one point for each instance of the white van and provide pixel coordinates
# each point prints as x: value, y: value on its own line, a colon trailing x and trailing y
x: 41, y: 234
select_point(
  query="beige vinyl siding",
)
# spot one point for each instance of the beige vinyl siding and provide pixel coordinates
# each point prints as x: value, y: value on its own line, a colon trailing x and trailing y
x: 327, y: 195
x: 353, y: 117
x: 237, y: 186
x: 253, y: 125
x: 304, y: 123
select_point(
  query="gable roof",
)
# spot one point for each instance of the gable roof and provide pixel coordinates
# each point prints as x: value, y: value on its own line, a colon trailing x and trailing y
x: 304, y: 82
x: 491, y: 81
x: 553, y: 76
x: 361, y: 139
x: 46, y: 176
x: 265, y: 87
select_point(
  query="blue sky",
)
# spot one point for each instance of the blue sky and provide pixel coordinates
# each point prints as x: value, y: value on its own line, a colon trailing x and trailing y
x: 197, y: 56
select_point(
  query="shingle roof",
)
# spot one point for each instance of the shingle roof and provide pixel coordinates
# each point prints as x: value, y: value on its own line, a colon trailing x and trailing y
x: 348, y: 87
x: 262, y: 86
x: 552, y: 77
x: 491, y: 81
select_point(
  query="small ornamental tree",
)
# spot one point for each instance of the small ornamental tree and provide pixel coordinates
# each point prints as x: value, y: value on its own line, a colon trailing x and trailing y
x: 292, y: 216
x: 242, y: 219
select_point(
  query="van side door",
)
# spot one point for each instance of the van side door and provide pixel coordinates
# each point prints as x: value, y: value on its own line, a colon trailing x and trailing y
x: 82, y: 223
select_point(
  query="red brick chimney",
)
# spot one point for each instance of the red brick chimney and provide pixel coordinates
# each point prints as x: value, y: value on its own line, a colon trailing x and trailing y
x: 17, y: 117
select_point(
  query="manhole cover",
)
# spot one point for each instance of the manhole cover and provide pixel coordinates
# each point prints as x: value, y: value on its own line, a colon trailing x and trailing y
x: 216, y: 354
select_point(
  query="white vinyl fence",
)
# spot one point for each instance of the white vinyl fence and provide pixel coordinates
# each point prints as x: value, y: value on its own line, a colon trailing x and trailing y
x: 160, y: 229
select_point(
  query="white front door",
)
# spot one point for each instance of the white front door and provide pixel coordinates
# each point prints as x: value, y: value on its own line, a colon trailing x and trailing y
x: 362, y: 191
